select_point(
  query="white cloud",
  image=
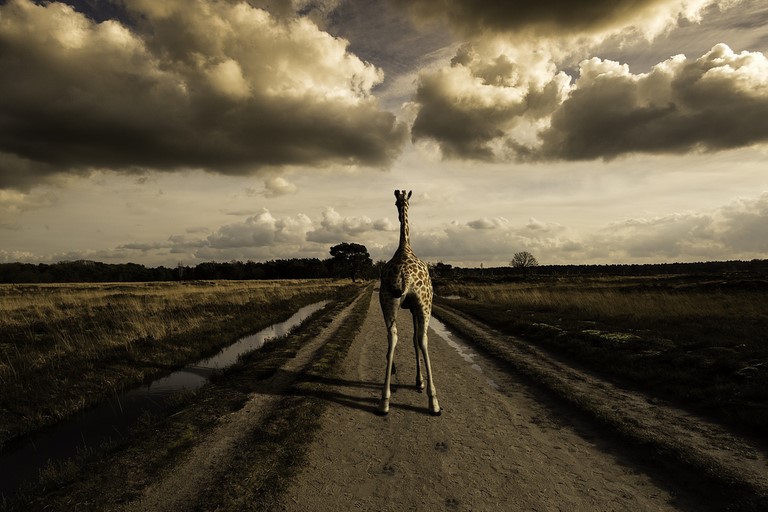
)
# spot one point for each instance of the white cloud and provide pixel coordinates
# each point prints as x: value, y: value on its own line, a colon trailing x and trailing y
x: 385, y: 225
x: 494, y: 241
x: 738, y: 230
x: 277, y: 186
x: 744, y: 225
x: 486, y: 223
x: 258, y: 237
x: 227, y: 78
x: 261, y: 230
x: 13, y: 203
x: 334, y: 228
x: 666, y: 237
x: 18, y: 256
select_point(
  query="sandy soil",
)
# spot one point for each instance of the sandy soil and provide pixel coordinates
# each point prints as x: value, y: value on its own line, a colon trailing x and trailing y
x: 496, y: 446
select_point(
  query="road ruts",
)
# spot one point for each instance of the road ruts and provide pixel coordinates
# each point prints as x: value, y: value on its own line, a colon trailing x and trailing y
x: 497, y: 446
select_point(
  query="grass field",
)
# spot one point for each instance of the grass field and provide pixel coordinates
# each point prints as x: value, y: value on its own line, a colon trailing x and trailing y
x: 108, y: 477
x: 699, y: 341
x: 64, y: 347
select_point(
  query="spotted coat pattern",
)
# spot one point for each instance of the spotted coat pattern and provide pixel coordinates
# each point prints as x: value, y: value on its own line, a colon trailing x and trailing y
x: 405, y: 284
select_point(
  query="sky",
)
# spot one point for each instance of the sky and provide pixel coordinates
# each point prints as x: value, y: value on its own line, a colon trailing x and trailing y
x: 581, y: 131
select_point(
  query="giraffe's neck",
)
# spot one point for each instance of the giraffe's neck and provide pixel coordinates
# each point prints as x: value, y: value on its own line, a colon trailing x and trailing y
x: 405, y: 240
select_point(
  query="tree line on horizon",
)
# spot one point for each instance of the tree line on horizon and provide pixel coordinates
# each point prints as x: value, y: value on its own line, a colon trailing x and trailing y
x: 86, y: 271
x: 348, y: 261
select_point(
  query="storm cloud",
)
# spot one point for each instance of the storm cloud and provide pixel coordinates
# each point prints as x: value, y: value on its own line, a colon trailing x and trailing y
x: 509, y: 112
x: 545, y: 17
x: 718, y: 101
x: 489, y: 97
x: 221, y: 86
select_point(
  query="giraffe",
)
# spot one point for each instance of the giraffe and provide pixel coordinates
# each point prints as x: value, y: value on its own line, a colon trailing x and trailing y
x: 405, y: 283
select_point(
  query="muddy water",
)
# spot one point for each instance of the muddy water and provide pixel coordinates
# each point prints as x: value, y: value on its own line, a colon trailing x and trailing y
x: 460, y: 346
x: 23, y: 459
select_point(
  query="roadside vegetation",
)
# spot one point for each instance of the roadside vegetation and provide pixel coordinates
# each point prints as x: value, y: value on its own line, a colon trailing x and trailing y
x: 110, y: 476
x: 699, y: 341
x: 65, y: 347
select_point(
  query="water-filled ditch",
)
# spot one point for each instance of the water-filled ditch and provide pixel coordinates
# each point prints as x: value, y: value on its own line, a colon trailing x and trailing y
x: 22, y: 459
x: 460, y: 346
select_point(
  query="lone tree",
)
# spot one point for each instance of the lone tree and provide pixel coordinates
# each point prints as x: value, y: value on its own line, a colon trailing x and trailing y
x: 523, y: 260
x: 350, y: 258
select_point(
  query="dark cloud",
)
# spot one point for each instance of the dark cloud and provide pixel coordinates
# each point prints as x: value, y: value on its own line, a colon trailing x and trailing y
x: 498, y: 108
x: 543, y: 16
x: 220, y: 86
x: 472, y: 108
x: 463, y: 129
x: 716, y: 102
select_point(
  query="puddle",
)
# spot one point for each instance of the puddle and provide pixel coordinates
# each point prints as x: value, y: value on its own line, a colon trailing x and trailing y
x: 461, y: 346
x: 22, y: 459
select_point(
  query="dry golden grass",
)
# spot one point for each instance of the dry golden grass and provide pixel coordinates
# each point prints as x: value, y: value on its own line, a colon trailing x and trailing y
x: 612, y: 298
x: 64, y: 346
x: 52, y: 321
x: 698, y: 340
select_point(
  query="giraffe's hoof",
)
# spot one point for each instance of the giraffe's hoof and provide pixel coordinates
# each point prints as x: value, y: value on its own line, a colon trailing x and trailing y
x: 383, y: 408
x: 379, y: 412
x: 434, y: 407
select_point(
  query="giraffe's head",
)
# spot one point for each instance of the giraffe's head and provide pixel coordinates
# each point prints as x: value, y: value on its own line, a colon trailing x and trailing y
x: 402, y: 202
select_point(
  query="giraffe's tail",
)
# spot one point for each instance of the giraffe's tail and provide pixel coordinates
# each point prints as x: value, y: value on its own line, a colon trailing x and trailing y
x: 396, y: 287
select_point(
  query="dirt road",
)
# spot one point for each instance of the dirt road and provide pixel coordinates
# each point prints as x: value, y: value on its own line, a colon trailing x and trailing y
x: 503, y: 442
x: 497, y: 446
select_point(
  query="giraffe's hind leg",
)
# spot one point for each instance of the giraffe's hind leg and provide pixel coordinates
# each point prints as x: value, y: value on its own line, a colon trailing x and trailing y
x: 417, y: 349
x: 390, y: 319
x: 423, y: 324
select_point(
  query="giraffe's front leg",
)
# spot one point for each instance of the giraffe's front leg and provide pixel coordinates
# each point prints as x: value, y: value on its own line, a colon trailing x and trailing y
x: 385, y: 392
